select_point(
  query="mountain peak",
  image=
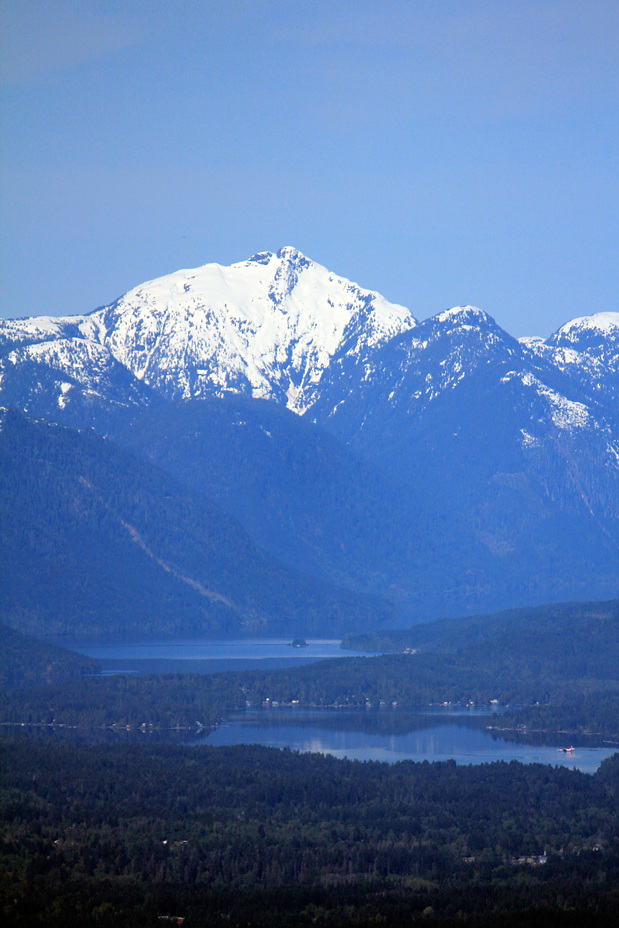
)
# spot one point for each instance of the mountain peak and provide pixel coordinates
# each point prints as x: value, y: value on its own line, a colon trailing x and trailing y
x: 267, y: 327
x: 464, y: 315
x: 289, y: 253
x: 599, y: 323
x: 592, y: 340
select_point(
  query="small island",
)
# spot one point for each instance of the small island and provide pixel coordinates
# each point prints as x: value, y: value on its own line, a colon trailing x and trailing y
x: 299, y: 643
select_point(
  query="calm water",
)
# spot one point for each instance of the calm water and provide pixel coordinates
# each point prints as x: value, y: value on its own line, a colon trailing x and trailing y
x: 204, y: 656
x: 391, y: 736
x: 374, y: 735
x: 429, y: 734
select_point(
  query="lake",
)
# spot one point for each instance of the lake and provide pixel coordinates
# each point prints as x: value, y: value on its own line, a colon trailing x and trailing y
x: 208, y: 656
x: 394, y: 735
x: 430, y: 734
x: 424, y: 734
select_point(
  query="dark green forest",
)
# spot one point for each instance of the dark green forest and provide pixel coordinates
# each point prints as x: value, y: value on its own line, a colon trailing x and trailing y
x: 25, y: 661
x: 119, y: 835
x: 167, y: 701
x: 134, y: 833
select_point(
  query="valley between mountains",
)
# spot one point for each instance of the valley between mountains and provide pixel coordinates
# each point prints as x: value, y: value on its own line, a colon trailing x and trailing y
x: 270, y: 450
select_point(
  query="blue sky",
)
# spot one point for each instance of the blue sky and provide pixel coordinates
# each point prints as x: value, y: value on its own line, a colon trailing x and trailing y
x: 439, y: 152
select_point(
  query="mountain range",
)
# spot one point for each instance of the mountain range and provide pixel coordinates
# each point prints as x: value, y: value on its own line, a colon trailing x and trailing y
x: 442, y: 465
x: 268, y: 327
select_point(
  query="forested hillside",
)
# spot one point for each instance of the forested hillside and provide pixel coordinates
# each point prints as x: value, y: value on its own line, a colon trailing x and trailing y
x: 26, y: 662
x: 302, y: 494
x: 583, y: 633
x: 238, y: 836
x: 97, y: 543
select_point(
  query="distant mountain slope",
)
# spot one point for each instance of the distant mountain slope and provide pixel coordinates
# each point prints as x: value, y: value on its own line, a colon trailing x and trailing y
x: 96, y: 543
x: 26, y: 662
x: 314, y: 503
x: 72, y: 381
x: 588, y: 347
x: 449, y: 383
x: 296, y: 489
x: 523, y: 452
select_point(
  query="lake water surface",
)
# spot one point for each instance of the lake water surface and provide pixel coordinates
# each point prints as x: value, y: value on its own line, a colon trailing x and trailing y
x: 207, y: 656
x: 394, y: 735
x: 431, y: 734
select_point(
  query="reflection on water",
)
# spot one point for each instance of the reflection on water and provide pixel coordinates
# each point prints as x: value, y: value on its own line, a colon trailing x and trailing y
x: 394, y: 736
x: 425, y: 734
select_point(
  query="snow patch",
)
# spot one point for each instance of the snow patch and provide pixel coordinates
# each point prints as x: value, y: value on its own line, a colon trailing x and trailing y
x: 565, y: 414
x: 529, y: 441
x: 466, y: 316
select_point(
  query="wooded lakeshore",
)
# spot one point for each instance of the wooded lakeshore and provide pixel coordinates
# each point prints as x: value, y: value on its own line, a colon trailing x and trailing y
x: 121, y: 835
x: 124, y: 834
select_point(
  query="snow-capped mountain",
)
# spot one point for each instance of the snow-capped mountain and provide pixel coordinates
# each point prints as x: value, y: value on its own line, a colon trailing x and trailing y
x: 412, y: 370
x: 515, y: 451
x: 457, y: 398
x: 592, y: 335
x: 572, y: 374
x: 503, y: 452
x: 267, y: 327
x: 587, y: 350
x: 283, y: 328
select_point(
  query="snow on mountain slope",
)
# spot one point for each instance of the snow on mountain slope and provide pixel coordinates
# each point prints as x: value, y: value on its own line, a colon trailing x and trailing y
x: 457, y: 401
x: 574, y: 373
x: 267, y: 327
x: 412, y: 370
x: 88, y: 362
x: 585, y: 350
x: 15, y: 332
x: 280, y: 327
x: 586, y: 331
x: 73, y: 380
x: 565, y: 414
x: 453, y: 343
